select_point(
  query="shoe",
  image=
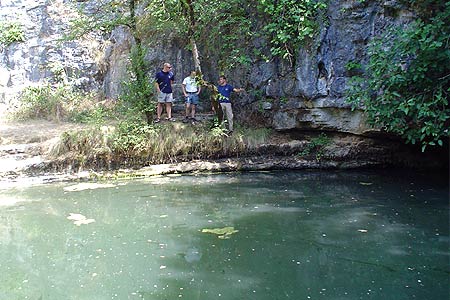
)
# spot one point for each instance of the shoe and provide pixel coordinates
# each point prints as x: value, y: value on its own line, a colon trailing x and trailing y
x: 230, y: 132
x: 193, y: 119
x: 172, y: 119
x: 157, y: 120
x: 186, y: 119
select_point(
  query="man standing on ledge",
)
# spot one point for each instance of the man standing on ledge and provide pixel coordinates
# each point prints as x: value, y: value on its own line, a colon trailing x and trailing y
x: 225, y: 90
x: 163, y: 84
x: 191, y: 90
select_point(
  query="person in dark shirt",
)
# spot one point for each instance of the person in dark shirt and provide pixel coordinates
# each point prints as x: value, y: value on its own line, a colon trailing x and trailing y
x: 225, y: 90
x: 163, y: 84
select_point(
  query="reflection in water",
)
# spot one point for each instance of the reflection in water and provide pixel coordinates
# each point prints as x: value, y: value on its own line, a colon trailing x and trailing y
x: 296, y: 235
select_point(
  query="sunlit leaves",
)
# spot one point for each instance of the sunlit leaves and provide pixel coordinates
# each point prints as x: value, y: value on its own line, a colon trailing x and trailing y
x: 11, y: 32
x: 104, y: 16
x: 289, y: 24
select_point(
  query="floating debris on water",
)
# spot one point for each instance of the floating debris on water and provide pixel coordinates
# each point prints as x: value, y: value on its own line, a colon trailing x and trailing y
x: 79, y: 219
x: 87, y: 186
x: 222, y: 233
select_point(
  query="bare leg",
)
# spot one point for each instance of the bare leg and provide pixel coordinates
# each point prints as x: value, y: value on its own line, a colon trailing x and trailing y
x: 193, y: 110
x: 169, y: 109
x: 188, y: 108
x: 159, y: 109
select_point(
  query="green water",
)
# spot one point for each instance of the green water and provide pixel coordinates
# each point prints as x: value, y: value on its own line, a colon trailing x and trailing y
x: 300, y: 235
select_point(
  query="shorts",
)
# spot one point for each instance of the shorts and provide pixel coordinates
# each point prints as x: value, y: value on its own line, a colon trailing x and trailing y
x: 192, y: 98
x: 165, y: 98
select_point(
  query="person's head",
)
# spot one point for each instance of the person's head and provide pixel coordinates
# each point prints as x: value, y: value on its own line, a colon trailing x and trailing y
x: 222, y: 80
x: 193, y: 74
x: 167, y: 67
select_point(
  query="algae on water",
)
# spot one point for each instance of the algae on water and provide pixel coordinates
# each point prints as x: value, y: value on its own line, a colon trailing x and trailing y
x: 222, y: 233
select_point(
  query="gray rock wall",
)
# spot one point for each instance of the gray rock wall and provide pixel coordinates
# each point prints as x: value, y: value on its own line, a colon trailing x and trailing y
x: 312, y: 94
x: 309, y: 96
x: 42, y: 58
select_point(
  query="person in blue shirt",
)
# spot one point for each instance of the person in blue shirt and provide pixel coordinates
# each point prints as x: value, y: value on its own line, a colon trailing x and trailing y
x: 225, y: 91
x: 163, y: 84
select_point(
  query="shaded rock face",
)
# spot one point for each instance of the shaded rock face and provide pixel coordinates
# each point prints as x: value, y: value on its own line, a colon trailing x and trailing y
x: 311, y: 94
x: 307, y: 96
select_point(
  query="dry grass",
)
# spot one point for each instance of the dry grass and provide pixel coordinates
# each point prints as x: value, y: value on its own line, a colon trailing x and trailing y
x: 162, y: 143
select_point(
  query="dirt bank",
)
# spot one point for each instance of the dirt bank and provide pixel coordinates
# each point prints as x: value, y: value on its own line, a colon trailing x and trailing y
x: 25, y: 147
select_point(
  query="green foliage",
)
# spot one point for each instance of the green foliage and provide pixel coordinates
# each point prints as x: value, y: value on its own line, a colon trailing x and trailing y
x: 407, y: 82
x: 11, y: 32
x: 43, y: 102
x: 108, y: 15
x: 290, y: 23
x: 232, y: 29
x: 96, y: 115
x: 59, y: 73
x: 219, y: 131
x: 317, y: 146
x: 131, y: 134
x: 60, y: 102
x: 138, y: 92
x: 222, y: 28
x: 352, y: 65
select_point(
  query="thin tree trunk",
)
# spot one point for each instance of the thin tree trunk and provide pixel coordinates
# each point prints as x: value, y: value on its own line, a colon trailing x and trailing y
x: 196, y: 56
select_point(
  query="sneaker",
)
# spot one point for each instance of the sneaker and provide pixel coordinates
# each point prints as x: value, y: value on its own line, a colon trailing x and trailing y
x: 186, y: 119
x: 230, y: 132
x: 172, y: 119
x: 193, y: 119
x: 157, y: 120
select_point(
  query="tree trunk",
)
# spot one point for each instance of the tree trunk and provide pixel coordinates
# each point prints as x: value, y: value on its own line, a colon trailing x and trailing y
x: 190, y: 13
x: 196, y: 56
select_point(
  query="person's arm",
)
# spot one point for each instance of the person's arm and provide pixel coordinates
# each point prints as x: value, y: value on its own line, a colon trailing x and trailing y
x: 199, y: 89
x: 157, y: 87
x: 238, y: 90
x: 183, y: 87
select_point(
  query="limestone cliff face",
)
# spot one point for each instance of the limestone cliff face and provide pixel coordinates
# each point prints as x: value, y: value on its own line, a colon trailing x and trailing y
x: 41, y: 56
x: 309, y: 96
x: 312, y: 94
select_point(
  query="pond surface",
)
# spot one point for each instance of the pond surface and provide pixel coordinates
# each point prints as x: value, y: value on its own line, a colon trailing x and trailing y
x: 272, y: 235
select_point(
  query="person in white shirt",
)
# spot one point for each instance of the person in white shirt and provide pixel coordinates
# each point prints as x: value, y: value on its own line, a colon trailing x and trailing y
x: 191, y: 90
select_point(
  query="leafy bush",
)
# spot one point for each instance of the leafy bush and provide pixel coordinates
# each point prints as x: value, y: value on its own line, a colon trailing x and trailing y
x: 95, y: 115
x: 407, y: 81
x: 11, y: 32
x: 60, y: 102
x: 41, y: 102
x: 290, y: 23
x: 131, y: 136
x: 317, y: 146
x: 139, y: 92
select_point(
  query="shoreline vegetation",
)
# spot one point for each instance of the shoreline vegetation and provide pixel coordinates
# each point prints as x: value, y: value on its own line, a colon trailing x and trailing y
x: 78, y: 137
x: 109, y: 136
